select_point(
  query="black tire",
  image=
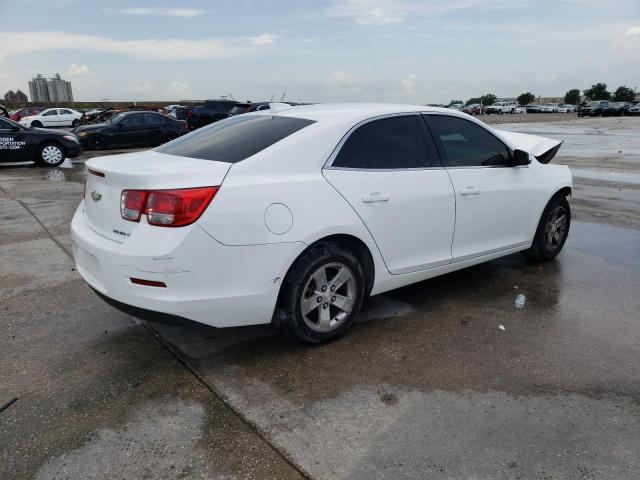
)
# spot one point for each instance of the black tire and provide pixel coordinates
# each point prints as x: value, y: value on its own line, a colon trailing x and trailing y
x: 36, y: 124
x: 500, y: 112
x: 74, y: 124
x: 299, y: 284
x: 204, y: 122
x: 96, y: 142
x: 51, y: 154
x: 543, y: 247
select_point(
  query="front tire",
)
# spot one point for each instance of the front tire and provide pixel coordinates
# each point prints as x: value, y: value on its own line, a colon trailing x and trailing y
x: 36, y: 124
x: 51, y: 154
x: 322, y: 294
x: 552, y: 231
x: 96, y: 142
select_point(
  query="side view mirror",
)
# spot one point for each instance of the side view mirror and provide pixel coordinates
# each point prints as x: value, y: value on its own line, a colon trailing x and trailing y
x: 520, y: 157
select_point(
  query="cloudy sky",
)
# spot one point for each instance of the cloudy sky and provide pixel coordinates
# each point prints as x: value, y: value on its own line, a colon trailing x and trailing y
x: 410, y: 51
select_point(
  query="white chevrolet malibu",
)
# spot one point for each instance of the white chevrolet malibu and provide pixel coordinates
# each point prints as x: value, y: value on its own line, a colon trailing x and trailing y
x: 296, y: 215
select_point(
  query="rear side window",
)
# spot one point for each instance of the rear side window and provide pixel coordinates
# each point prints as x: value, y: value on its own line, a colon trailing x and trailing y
x: 234, y: 139
x: 389, y: 143
x: 466, y: 144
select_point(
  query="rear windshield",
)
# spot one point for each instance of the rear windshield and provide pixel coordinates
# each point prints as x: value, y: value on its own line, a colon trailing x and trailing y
x: 234, y: 139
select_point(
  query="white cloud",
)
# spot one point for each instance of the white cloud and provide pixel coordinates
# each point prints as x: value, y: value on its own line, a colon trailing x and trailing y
x: 180, y: 91
x: 140, y: 87
x: 154, y: 49
x: 264, y: 39
x: 386, y: 12
x: 310, y: 40
x: 158, y: 11
x: 340, y: 80
x: 409, y: 84
x: 633, y: 31
x: 79, y: 71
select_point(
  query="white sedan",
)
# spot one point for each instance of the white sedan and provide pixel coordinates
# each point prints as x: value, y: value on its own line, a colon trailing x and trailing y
x: 296, y: 215
x: 52, y: 117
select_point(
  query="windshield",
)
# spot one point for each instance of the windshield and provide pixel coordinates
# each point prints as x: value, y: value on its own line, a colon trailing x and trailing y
x: 593, y: 104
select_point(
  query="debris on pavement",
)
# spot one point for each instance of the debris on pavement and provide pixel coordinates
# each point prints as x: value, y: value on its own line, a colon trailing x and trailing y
x: 501, y: 327
x: 520, y: 301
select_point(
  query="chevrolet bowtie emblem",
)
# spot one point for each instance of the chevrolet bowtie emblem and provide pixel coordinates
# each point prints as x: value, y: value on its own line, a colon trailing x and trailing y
x: 96, y: 196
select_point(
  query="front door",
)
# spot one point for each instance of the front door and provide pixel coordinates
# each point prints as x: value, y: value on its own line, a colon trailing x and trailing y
x: 493, y: 199
x: 389, y: 172
x: 14, y: 143
x: 50, y: 118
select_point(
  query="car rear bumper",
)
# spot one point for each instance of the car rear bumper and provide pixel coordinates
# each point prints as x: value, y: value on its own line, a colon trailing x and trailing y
x: 206, y: 281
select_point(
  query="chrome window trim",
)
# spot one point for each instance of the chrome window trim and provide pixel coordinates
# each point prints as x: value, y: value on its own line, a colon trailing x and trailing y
x: 328, y: 165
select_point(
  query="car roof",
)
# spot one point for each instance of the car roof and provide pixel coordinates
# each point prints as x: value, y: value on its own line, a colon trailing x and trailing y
x: 353, y: 112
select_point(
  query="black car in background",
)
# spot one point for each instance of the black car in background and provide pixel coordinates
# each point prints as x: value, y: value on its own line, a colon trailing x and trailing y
x: 131, y: 129
x: 593, y: 109
x: 212, y: 111
x: 617, y: 109
x: 46, y: 147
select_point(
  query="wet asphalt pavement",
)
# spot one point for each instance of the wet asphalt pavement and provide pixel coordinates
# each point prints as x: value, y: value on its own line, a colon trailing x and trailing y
x: 425, y: 386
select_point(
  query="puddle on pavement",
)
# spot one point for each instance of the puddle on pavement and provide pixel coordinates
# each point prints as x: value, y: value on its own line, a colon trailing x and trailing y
x: 383, y: 306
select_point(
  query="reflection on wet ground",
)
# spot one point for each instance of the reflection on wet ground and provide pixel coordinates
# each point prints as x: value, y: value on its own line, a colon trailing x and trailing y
x: 434, y: 348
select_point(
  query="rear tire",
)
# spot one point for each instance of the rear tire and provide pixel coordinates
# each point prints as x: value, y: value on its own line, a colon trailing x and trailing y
x: 74, y: 124
x: 36, y: 124
x: 322, y: 294
x: 552, y: 231
x: 51, y: 154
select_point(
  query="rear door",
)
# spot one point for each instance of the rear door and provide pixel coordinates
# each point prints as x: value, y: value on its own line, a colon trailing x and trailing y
x: 495, y: 201
x: 155, y: 126
x: 389, y: 172
x: 65, y: 117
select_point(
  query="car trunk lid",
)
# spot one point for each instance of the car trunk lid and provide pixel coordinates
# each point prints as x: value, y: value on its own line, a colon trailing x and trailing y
x: 107, y: 177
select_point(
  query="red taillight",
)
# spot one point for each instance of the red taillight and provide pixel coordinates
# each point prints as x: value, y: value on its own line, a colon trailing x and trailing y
x: 166, y: 208
x: 132, y: 204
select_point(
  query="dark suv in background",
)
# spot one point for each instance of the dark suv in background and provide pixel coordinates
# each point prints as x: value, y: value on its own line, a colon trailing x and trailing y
x: 210, y: 112
x: 593, y: 109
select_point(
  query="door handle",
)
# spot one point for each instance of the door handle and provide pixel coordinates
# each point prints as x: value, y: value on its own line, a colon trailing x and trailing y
x: 469, y: 191
x: 375, y: 197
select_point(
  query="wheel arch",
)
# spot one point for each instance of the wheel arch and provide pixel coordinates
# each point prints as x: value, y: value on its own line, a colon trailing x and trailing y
x: 351, y: 243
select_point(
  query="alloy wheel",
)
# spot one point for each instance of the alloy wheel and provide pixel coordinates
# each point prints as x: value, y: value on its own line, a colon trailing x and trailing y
x: 555, y: 229
x: 328, y: 297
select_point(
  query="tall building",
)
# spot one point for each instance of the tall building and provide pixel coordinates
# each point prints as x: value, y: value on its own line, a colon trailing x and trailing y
x: 50, y: 89
x: 15, y: 97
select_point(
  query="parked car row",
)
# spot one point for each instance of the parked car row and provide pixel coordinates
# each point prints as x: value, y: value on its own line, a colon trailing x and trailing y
x: 604, y: 108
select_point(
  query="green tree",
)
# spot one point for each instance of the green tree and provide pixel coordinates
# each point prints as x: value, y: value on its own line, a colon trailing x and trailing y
x: 624, y: 94
x: 526, y: 98
x: 473, y: 100
x: 598, y: 92
x: 456, y: 101
x: 489, y: 99
x: 572, y: 97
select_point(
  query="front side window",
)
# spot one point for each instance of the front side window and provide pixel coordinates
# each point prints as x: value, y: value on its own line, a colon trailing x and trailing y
x: 388, y: 143
x: 133, y: 120
x: 4, y: 125
x: 466, y: 144
x: 236, y: 138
